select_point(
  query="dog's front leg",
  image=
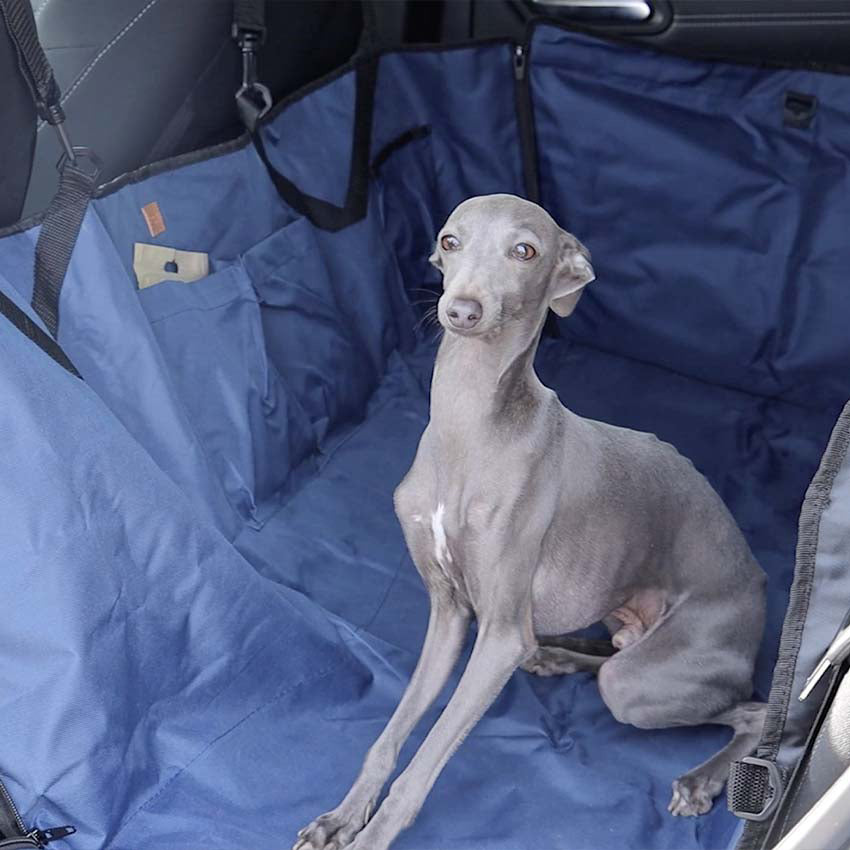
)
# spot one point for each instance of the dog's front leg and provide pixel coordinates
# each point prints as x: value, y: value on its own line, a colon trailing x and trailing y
x: 447, y: 628
x: 499, y: 650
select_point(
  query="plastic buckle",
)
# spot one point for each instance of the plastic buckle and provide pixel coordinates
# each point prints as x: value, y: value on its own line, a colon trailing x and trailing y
x: 253, y: 100
x: 771, y: 790
x: 77, y: 154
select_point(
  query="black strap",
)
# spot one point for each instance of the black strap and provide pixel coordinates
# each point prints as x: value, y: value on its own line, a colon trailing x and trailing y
x: 64, y: 216
x: 249, y: 16
x: 32, y: 61
x: 29, y: 328
x: 322, y: 213
x: 59, y: 231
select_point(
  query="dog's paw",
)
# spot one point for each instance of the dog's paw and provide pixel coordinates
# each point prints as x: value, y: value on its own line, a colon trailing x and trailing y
x: 549, y: 661
x: 693, y: 795
x: 331, y: 831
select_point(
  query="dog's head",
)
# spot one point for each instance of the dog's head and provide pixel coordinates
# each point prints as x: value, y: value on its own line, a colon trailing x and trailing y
x: 502, y: 259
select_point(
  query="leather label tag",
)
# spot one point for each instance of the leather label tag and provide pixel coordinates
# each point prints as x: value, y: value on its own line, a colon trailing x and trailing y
x: 153, y: 218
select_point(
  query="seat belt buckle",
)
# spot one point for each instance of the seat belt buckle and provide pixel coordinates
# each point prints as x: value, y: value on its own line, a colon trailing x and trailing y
x: 836, y: 654
x: 754, y: 788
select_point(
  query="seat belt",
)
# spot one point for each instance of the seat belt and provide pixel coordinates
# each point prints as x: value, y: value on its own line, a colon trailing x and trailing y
x: 78, y: 167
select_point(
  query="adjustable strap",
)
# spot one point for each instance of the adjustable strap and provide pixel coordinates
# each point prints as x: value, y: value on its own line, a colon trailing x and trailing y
x: 754, y: 788
x: 253, y: 99
x: 59, y: 231
x: 29, y: 328
x: 249, y: 16
x: 64, y: 216
x: 32, y: 61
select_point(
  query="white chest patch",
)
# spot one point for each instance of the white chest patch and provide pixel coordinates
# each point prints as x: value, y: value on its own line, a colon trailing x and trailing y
x: 441, y: 546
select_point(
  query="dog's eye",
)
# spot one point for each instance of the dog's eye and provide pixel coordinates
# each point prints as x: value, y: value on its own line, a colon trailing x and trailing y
x: 450, y: 243
x: 523, y: 251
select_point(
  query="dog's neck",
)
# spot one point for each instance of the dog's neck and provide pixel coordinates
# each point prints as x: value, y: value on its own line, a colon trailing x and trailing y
x: 487, y: 377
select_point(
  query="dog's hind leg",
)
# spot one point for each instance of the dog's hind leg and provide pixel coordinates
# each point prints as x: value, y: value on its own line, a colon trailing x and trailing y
x: 680, y: 674
x: 694, y: 792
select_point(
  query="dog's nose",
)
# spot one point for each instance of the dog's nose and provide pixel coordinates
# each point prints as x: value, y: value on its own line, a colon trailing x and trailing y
x: 464, y: 313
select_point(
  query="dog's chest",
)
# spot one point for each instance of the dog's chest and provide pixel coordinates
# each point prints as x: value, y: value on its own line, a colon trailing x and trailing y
x: 451, y: 538
x: 439, y: 538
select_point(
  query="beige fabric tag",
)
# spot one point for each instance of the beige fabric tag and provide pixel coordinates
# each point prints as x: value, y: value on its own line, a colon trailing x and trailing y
x: 153, y: 218
x: 156, y: 263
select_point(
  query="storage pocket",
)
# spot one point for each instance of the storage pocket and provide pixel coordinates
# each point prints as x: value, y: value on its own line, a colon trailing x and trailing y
x: 323, y: 327
x: 210, y: 333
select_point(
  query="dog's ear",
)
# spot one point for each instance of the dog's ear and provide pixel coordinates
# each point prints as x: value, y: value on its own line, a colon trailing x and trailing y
x: 571, y: 274
x: 435, y: 259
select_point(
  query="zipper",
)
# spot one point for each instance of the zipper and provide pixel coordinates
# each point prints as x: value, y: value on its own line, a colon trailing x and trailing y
x: 37, y: 837
x: 31, y: 837
x: 519, y: 62
x: 10, y: 805
x: 525, y: 123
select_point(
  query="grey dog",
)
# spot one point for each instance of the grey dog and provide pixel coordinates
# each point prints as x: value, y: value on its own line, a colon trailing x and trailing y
x: 539, y: 523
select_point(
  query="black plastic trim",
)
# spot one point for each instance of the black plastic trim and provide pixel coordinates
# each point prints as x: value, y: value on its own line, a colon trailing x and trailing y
x: 660, y: 18
x: 815, y: 503
x: 778, y: 826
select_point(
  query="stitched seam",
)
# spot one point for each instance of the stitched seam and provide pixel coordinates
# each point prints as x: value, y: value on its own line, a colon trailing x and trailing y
x: 90, y: 67
x: 320, y: 674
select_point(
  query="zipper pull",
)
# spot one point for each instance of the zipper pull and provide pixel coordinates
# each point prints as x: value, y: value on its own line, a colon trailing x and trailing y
x: 838, y: 651
x: 519, y: 62
x: 43, y: 837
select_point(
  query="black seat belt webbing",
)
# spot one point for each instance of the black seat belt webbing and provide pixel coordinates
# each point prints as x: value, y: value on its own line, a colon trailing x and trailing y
x: 64, y: 216
x: 59, y: 231
x: 32, y: 62
x: 29, y: 328
x: 249, y: 15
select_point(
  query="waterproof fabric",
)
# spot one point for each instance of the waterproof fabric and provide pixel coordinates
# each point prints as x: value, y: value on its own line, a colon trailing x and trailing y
x: 209, y: 611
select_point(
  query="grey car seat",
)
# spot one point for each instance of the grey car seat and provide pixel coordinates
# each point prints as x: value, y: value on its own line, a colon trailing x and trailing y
x: 142, y: 80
